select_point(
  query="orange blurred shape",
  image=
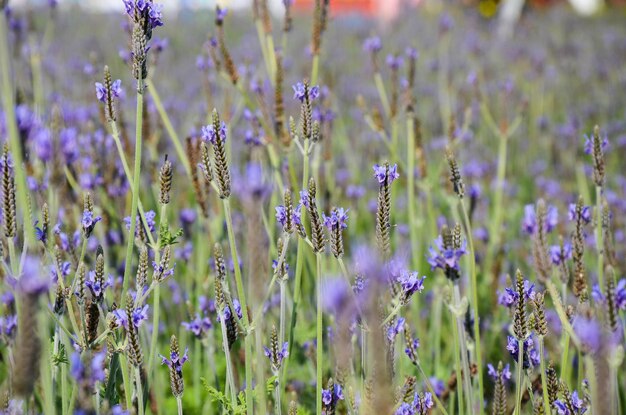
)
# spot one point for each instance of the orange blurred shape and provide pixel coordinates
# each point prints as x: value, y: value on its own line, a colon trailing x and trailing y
x: 343, y: 6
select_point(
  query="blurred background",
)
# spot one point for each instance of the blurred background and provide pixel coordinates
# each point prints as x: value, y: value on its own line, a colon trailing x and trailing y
x: 384, y: 9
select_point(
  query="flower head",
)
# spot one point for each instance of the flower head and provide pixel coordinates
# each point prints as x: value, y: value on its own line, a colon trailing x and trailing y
x: 337, y: 219
x: 300, y: 92
x: 88, y: 222
x: 381, y: 174
x: 199, y: 326
x: 209, y: 134
x: 372, y: 44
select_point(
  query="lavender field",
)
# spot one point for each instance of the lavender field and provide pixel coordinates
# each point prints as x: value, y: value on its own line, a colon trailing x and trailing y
x: 218, y: 212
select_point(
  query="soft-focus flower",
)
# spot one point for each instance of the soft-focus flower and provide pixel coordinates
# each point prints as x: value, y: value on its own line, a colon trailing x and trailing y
x: 559, y: 254
x: 337, y: 218
x: 589, y: 332
x: 199, y: 326
x: 395, y: 328
x: 88, y: 222
x: 440, y: 257
x: 372, y: 44
x: 300, y: 92
x: 380, y: 173
x: 529, y: 223
x: 505, y: 375
x: 585, y: 213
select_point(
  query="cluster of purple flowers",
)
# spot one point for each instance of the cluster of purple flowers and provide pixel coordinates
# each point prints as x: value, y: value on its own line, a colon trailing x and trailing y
x: 445, y: 258
x: 88, y: 222
x: 139, y: 315
x: 372, y: 44
x: 578, y: 405
x: 619, y: 294
x: 411, y: 283
x: 92, y: 373
x: 585, y: 214
x: 422, y: 403
x: 116, y: 90
x: 337, y: 219
x: 330, y: 398
x: 505, y: 375
x: 509, y: 296
x: 152, y: 12
x: 531, y: 356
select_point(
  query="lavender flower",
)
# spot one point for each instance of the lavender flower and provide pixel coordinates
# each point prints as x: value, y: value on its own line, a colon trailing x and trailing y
x: 585, y: 213
x: 199, y: 326
x: 531, y: 356
x: 116, y: 90
x: 372, y: 44
x: 88, y: 222
x: 300, y: 92
x: 559, y: 254
x: 529, y: 223
x: 380, y: 173
x: 444, y: 258
x: 395, y: 328
x: 411, y: 284
x: 209, y: 134
x: 505, y: 375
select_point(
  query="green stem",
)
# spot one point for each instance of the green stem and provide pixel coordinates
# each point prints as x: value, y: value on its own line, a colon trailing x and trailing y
x: 8, y: 102
x: 496, y: 222
x: 230, y: 379
x: 244, y: 306
x: 410, y: 174
x: 320, y: 339
x: 139, y: 391
x: 155, y: 301
x: 179, y: 405
x: 382, y: 93
x: 180, y: 151
x: 126, y: 381
x: 315, y: 69
x: 544, y: 380
x: 430, y: 388
x: 467, y: 383
x: 518, y: 384
x: 474, y: 288
x: 137, y: 177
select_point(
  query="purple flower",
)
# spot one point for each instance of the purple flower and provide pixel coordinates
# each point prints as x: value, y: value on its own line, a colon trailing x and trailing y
x: 443, y: 258
x: 585, y: 213
x: 530, y: 358
x: 277, y: 360
x: 304, y: 198
x: 372, y: 44
x: 96, y: 287
x: 405, y: 409
x: 300, y: 92
x: 380, y: 173
x: 89, y: 222
x: 394, y: 62
x: 150, y: 222
x: 604, y: 144
x: 90, y: 374
x: 33, y: 281
x: 8, y: 326
x: 139, y: 315
x: 411, y: 53
x: 43, y: 144
x: 589, y: 332
x: 411, y: 284
x: 160, y: 272
x: 199, y: 326
x: 220, y: 15
x: 505, y: 375
x: 209, y: 134
x: 529, y: 223
x: 228, y: 314
x: 120, y: 318
x: 175, y: 361
x: 143, y: 9
x: 559, y: 254
x: 395, y: 328
x: 337, y: 219
x: 330, y: 398
x: 509, y: 296
x: 116, y: 90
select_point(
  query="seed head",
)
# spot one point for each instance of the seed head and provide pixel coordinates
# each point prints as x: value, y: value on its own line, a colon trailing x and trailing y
x: 165, y: 177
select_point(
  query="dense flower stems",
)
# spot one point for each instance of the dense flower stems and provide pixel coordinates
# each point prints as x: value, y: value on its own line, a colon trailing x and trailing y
x: 244, y: 307
x: 474, y: 287
x: 300, y: 257
x: 136, y: 179
x: 8, y: 103
x: 319, y: 347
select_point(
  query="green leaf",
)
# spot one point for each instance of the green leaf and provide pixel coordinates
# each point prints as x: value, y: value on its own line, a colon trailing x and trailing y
x: 270, y: 385
x: 217, y: 396
x: 60, y: 357
x: 168, y: 238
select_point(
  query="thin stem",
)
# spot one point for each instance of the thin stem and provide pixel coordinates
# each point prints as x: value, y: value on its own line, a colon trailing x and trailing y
x: 320, y: 339
x: 474, y: 288
x: 430, y: 388
x: 126, y: 381
x: 467, y: 383
x: 315, y: 68
x: 139, y: 390
x: 544, y: 380
x: 230, y: 379
x: 410, y: 174
x: 8, y: 102
x: 156, y: 299
x: 136, y: 179
x: 518, y: 384
x: 244, y: 307
x: 179, y: 405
